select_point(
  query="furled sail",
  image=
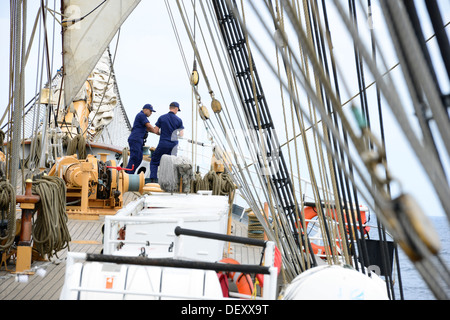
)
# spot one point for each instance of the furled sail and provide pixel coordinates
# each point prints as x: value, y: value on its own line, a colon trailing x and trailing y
x: 108, y: 120
x: 104, y: 98
x: 88, y: 28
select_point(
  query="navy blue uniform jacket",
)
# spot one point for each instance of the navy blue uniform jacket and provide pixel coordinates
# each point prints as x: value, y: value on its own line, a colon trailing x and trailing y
x: 169, y: 124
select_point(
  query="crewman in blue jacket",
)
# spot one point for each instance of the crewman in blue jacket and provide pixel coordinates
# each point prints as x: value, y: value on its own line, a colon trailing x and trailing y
x: 138, y: 136
x: 171, y: 127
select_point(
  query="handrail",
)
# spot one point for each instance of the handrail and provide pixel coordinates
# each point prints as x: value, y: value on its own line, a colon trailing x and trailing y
x: 176, y: 263
x: 218, y: 236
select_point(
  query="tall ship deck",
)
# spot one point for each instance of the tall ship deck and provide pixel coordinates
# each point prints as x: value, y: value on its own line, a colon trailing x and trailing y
x: 310, y: 118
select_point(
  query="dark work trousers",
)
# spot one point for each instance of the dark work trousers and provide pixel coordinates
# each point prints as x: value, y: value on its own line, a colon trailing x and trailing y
x: 136, y: 154
x: 161, y: 149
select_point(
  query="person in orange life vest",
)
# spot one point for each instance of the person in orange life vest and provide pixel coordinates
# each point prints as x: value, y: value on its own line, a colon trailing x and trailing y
x: 171, y: 127
x: 138, y: 136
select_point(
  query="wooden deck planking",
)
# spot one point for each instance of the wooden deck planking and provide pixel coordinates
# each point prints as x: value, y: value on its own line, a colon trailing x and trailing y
x: 87, y: 232
x: 86, y: 237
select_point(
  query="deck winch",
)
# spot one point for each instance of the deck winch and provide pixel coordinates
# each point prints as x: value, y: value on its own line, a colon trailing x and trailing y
x: 95, y: 186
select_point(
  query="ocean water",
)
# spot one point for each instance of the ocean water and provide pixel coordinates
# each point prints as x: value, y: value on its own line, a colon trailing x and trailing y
x: 414, y: 287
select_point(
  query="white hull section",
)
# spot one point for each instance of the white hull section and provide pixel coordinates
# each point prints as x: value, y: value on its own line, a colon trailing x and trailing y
x: 107, y: 281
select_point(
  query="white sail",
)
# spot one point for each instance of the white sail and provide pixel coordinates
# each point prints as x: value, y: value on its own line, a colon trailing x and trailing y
x: 89, y: 27
x: 104, y: 98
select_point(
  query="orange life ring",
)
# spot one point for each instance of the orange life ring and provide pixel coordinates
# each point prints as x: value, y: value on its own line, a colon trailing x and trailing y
x: 243, y: 281
x: 310, y: 213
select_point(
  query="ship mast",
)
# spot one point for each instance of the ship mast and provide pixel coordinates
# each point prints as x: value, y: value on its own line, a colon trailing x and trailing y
x: 19, y: 9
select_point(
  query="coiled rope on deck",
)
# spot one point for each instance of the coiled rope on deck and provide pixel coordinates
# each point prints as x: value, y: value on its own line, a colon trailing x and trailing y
x: 197, y: 183
x: 50, y: 231
x: 220, y: 184
x: 255, y: 228
x: 8, y: 205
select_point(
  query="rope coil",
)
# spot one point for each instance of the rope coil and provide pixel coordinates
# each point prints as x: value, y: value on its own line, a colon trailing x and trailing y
x: 50, y: 232
x: 220, y: 184
x: 8, y: 204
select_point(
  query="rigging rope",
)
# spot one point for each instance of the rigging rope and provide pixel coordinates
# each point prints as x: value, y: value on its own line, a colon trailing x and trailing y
x: 339, y: 180
x: 258, y: 117
x: 50, y: 231
x: 35, y: 153
x: 77, y: 144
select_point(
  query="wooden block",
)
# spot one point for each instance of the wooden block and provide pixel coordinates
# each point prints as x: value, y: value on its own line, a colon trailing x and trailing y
x: 27, y: 206
x: 23, y: 258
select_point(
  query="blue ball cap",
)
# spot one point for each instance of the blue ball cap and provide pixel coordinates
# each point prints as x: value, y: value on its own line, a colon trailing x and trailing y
x: 175, y: 104
x: 149, y: 106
